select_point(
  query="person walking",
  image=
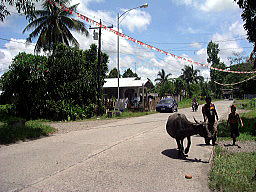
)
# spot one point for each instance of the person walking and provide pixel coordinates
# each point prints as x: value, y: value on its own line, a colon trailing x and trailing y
x: 234, y: 120
x: 209, y: 114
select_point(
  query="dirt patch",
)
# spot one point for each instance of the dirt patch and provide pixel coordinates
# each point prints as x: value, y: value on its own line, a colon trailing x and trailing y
x: 241, y: 146
x: 65, y: 127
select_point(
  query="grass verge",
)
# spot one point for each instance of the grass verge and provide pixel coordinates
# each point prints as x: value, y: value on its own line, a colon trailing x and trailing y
x: 233, y: 172
x: 125, y: 114
x: 31, y: 130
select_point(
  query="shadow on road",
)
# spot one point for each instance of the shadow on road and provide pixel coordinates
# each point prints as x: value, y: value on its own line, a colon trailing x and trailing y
x: 173, y: 153
x: 203, y: 145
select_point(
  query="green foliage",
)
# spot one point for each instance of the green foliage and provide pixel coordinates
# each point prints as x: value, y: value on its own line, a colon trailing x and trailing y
x: 52, y: 26
x: 191, y: 79
x: 59, y: 87
x: 248, y: 104
x: 113, y: 73
x: 166, y: 87
x: 162, y: 77
x: 26, y: 7
x: 248, y: 16
x: 31, y: 130
x: 24, y: 84
x: 233, y: 172
x: 187, y: 102
x: 129, y: 73
x: 240, y: 63
x: 7, y: 110
x: 213, y: 58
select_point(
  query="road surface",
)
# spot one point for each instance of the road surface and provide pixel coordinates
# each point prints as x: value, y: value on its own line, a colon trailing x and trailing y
x: 134, y: 154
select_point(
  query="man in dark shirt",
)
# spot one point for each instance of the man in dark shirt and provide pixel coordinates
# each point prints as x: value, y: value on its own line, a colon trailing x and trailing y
x: 209, y: 114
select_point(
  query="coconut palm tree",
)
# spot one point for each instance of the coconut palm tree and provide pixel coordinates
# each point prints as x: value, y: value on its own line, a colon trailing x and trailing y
x: 189, y: 75
x: 163, y: 77
x: 52, y: 26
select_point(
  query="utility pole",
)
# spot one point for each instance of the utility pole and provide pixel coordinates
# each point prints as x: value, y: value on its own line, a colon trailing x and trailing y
x: 99, y: 90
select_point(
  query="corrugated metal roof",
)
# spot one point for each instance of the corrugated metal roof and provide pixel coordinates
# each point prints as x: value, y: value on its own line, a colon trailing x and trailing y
x: 123, y: 82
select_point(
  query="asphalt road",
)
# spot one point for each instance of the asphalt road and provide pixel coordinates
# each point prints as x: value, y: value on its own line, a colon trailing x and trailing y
x: 133, y: 154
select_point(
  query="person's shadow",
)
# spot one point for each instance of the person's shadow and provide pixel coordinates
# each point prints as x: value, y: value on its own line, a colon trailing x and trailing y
x: 173, y: 153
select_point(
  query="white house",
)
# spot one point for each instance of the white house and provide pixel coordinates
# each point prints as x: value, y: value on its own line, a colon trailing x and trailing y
x: 128, y: 87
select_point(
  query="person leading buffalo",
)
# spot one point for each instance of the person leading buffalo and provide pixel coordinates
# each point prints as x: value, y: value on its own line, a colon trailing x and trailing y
x: 209, y: 114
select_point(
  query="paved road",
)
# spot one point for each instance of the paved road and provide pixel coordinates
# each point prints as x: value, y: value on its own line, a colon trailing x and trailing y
x: 128, y: 155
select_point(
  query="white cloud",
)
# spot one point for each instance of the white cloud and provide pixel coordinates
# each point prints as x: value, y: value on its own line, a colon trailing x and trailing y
x: 209, y: 5
x: 196, y: 45
x: 217, y: 5
x: 136, y: 19
x: 11, y: 49
x: 237, y: 29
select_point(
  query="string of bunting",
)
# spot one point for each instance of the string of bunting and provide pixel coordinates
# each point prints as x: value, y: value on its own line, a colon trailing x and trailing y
x: 236, y: 82
x: 87, y: 19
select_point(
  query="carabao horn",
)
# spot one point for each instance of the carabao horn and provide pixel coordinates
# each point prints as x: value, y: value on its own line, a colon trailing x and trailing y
x: 195, y: 120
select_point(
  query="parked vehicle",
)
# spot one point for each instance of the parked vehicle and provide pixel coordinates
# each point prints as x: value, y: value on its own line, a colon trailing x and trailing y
x: 167, y: 105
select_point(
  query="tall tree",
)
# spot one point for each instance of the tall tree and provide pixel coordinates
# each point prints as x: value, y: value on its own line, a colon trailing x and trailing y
x: 162, y: 76
x: 249, y: 17
x: 52, y: 26
x: 190, y: 76
x: 214, y: 60
x: 129, y: 73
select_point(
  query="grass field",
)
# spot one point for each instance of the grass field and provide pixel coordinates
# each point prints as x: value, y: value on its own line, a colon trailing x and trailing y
x: 235, y: 172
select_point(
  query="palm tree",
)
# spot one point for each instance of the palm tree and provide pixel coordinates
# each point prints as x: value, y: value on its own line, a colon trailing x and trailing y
x: 52, y: 26
x: 162, y: 76
x: 189, y: 75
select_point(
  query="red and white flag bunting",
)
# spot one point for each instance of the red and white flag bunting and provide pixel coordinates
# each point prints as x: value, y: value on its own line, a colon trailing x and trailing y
x: 236, y: 82
x: 87, y: 19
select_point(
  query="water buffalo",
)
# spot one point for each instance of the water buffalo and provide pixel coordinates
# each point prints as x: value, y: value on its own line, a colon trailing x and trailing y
x: 179, y: 127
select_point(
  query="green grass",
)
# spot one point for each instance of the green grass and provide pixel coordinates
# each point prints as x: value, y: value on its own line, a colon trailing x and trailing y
x: 233, y: 172
x: 248, y: 104
x: 186, y: 103
x: 31, y: 130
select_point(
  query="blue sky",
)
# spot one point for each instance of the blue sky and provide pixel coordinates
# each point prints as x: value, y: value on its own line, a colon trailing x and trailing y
x: 182, y: 27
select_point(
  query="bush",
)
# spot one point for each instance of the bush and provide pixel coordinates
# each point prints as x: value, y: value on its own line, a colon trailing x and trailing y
x: 7, y: 110
x: 63, y: 110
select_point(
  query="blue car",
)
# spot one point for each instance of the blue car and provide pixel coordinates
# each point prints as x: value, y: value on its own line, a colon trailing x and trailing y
x: 167, y: 105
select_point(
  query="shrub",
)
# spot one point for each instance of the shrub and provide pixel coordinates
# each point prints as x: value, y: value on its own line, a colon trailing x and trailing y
x: 7, y: 110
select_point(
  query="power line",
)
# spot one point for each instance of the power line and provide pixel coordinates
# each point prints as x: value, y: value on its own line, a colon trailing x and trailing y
x: 200, y: 42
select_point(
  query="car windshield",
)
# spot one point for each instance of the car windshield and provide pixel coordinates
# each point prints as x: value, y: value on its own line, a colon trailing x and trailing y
x: 168, y: 101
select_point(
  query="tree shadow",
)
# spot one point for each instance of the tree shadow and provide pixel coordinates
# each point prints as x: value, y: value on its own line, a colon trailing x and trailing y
x: 173, y: 153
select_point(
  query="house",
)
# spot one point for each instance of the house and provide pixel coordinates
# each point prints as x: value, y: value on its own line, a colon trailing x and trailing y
x: 128, y: 87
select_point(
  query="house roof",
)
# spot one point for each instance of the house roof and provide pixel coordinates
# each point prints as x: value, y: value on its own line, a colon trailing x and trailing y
x: 123, y: 82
